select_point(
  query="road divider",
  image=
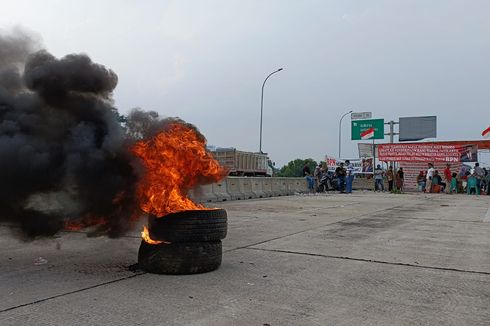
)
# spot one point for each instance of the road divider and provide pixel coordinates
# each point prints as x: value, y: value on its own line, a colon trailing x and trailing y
x: 241, y: 188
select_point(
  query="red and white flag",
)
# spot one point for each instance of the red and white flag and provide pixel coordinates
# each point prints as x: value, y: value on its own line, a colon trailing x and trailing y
x: 486, y: 133
x: 368, y: 134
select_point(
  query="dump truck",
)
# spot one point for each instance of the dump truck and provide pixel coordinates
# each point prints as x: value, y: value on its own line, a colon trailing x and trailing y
x: 241, y: 163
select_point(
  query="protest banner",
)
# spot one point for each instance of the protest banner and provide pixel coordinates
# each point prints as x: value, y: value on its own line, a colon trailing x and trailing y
x: 427, y: 152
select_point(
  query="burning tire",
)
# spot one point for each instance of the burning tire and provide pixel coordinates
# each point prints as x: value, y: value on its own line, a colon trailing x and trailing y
x: 180, y: 258
x: 189, y: 226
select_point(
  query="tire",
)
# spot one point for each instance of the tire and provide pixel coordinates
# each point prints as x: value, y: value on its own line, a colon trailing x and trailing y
x: 189, y: 226
x: 180, y: 258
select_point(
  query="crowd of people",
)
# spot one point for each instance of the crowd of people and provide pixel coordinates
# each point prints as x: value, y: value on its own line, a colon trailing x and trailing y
x: 395, y: 180
x: 475, y: 180
x: 341, y: 180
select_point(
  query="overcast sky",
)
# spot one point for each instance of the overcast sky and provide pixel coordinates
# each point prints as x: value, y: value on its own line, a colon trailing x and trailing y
x: 205, y: 61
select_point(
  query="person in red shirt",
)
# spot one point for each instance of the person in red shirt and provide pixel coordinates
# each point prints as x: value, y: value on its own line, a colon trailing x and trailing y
x: 448, y: 176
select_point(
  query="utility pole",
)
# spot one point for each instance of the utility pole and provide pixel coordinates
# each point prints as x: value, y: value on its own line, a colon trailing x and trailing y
x: 392, y: 134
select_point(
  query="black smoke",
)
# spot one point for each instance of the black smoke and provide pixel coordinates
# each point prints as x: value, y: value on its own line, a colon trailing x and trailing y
x: 64, y: 153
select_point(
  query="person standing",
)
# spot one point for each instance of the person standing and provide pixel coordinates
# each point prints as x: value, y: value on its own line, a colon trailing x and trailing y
x: 454, y: 184
x: 421, y: 181
x: 340, y: 172
x: 317, y: 174
x: 308, y: 177
x: 350, y: 177
x: 378, y: 179
x: 430, y: 175
x: 449, y: 177
x: 487, y: 181
x: 390, y: 176
x: 400, y: 176
x: 479, y: 175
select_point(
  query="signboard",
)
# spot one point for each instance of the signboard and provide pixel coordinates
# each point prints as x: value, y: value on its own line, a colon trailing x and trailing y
x: 368, y: 129
x: 362, y: 166
x: 427, y: 152
x: 418, y: 128
x: 366, y: 150
x: 361, y: 115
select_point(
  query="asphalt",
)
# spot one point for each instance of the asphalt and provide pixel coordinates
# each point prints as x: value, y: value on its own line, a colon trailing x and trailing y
x: 361, y: 259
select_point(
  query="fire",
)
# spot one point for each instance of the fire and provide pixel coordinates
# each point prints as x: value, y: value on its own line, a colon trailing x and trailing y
x: 77, y: 225
x: 176, y: 160
x: 145, y: 234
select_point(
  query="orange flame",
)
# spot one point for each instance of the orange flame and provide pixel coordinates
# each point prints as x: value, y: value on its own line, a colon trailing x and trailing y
x: 145, y: 234
x: 176, y: 160
x: 80, y: 224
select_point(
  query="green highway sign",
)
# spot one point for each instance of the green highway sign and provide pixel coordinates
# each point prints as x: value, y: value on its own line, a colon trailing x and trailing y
x: 368, y: 129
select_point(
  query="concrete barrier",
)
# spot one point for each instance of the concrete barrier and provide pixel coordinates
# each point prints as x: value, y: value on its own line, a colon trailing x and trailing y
x: 239, y: 188
x: 297, y: 185
x: 267, y: 187
x: 203, y: 194
x: 284, y: 186
x: 245, y: 186
x: 220, y: 191
x: 233, y: 188
x: 258, y: 187
x: 276, y: 187
x: 291, y: 186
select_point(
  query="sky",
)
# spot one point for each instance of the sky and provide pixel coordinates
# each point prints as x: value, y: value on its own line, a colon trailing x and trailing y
x: 205, y: 62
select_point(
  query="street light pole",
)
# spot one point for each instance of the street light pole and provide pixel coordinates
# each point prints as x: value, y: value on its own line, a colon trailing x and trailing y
x: 262, y: 107
x: 340, y: 131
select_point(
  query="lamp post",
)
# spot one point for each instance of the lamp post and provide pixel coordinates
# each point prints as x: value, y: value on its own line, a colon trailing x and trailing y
x: 262, y: 107
x: 340, y: 131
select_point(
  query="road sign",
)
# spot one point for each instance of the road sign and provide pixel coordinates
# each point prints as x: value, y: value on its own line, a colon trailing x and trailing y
x: 361, y: 115
x: 368, y: 129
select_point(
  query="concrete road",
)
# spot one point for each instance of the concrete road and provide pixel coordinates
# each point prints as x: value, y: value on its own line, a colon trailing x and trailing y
x: 361, y: 259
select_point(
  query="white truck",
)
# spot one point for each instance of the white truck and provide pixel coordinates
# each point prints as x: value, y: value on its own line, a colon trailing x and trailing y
x: 240, y: 163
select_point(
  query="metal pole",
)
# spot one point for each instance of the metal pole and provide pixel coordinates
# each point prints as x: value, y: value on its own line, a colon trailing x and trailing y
x: 374, y: 164
x: 262, y: 107
x: 340, y: 132
x: 392, y: 134
x: 392, y: 131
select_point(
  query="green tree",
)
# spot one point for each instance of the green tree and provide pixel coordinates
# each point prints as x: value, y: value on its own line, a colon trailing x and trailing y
x: 295, y: 168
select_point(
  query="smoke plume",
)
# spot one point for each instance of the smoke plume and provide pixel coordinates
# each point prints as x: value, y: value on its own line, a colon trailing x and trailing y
x: 65, y: 157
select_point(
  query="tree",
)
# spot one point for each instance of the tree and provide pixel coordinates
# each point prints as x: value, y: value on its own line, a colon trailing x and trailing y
x: 295, y: 168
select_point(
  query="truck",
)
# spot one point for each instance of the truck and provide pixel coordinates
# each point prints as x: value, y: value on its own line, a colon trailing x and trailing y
x: 241, y: 163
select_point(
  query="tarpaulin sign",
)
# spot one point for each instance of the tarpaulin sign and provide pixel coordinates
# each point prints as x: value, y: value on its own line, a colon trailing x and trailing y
x: 427, y: 152
x: 362, y: 166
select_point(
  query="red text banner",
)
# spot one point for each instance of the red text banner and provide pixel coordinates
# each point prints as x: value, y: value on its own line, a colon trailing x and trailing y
x: 426, y: 152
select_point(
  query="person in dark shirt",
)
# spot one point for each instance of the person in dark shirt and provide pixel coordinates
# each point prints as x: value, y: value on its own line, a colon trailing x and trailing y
x: 309, y: 178
x: 400, y: 175
x: 306, y: 170
x: 390, y: 175
x: 341, y: 173
x: 437, y: 180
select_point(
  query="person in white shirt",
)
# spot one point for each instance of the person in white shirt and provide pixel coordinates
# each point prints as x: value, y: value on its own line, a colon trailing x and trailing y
x: 430, y: 175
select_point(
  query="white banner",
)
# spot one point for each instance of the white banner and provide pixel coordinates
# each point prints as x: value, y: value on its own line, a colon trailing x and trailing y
x: 361, y: 166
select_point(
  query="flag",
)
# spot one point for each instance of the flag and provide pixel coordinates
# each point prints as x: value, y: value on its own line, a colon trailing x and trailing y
x: 368, y: 134
x: 486, y: 133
